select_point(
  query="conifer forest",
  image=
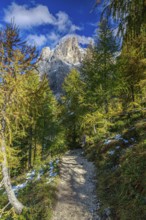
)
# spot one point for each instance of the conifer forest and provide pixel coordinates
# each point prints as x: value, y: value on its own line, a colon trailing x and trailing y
x: 96, y: 123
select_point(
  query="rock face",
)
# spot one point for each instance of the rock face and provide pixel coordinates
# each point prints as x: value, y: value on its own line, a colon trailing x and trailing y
x: 57, y: 63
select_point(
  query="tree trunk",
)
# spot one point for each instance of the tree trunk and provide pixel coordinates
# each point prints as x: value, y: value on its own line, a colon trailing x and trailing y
x: 35, y: 147
x: 35, y: 151
x: 30, y: 156
x: 132, y: 93
x: 30, y: 150
x: 18, y: 206
x: 43, y: 139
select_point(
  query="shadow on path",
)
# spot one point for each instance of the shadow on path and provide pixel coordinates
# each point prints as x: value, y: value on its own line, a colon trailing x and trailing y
x: 77, y: 189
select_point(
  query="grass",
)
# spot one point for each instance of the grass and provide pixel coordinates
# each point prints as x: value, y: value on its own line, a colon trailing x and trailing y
x: 122, y: 170
x: 39, y: 198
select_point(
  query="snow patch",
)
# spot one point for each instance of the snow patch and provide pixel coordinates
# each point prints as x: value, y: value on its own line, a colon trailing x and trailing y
x: 111, y: 152
x: 32, y: 174
x: 118, y: 137
x: 118, y: 147
x: 20, y: 186
x: 125, y: 141
x: 107, y: 141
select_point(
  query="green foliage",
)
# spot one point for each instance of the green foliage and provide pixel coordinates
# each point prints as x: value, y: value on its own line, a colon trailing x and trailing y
x: 73, y: 106
x: 107, y: 97
x: 131, y: 73
x: 39, y: 199
x: 30, y: 125
x: 112, y: 90
x: 98, y: 71
x: 121, y: 168
x: 128, y: 13
x: 122, y: 183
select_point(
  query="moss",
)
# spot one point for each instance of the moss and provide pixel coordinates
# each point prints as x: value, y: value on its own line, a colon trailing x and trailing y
x: 39, y: 199
x: 122, y: 175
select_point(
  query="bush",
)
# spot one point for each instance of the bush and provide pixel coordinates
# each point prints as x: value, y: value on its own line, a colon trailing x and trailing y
x: 39, y: 199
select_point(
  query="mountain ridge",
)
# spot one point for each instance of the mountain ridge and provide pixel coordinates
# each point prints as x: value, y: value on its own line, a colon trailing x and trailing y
x: 57, y: 63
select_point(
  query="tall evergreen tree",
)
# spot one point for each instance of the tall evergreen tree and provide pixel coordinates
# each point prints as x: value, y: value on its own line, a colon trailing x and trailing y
x: 130, y: 15
x: 73, y: 106
x: 131, y: 71
x: 99, y: 67
x: 16, y: 58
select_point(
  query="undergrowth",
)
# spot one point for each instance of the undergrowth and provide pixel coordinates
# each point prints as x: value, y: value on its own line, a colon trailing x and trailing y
x: 121, y: 164
x: 39, y: 199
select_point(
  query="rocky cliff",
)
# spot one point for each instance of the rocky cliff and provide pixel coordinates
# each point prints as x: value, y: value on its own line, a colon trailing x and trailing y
x: 58, y: 62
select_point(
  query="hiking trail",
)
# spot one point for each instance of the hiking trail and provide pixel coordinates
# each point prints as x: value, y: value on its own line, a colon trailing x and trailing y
x: 77, y: 189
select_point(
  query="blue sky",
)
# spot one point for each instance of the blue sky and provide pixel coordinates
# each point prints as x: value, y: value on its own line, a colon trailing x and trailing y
x: 45, y: 22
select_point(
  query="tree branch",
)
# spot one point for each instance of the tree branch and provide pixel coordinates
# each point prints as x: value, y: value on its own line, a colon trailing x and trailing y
x: 1, y: 183
x: 2, y: 211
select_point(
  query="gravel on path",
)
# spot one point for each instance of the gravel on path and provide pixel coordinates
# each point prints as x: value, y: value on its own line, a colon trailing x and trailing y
x: 77, y: 189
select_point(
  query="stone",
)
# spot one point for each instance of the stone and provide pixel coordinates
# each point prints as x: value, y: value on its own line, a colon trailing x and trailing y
x: 57, y: 63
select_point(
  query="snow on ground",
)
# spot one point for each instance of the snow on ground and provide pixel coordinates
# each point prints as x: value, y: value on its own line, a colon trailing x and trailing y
x: 107, y: 141
x: 117, y: 138
x: 118, y: 147
x: 30, y: 175
x: 19, y: 186
x: 33, y: 175
x: 111, y: 152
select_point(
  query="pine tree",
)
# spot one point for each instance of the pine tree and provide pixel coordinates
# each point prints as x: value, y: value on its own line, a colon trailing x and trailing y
x: 73, y: 106
x: 130, y: 15
x: 131, y: 70
x: 99, y: 68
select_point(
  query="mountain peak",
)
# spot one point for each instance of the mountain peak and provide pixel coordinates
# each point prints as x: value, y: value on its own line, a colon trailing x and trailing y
x: 69, y: 50
x: 58, y: 62
x: 46, y: 53
x: 71, y: 41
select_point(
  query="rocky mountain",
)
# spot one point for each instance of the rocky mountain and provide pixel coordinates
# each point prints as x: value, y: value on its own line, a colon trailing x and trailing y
x: 58, y: 62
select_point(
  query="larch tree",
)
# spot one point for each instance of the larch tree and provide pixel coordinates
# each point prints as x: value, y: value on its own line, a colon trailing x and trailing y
x: 131, y: 73
x: 16, y: 60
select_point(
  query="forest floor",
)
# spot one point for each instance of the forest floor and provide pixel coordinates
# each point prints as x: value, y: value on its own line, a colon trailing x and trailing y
x: 77, y: 189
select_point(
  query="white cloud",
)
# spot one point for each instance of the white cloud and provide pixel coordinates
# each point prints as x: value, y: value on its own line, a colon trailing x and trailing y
x: 53, y: 36
x: 81, y: 39
x: 64, y: 23
x: 26, y: 17
x: 74, y: 28
x: 36, y: 40
x: 53, y: 39
x: 93, y: 24
x: 84, y: 40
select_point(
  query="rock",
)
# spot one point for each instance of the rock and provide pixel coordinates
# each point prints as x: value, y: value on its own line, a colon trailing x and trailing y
x: 46, y: 53
x: 58, y: 62
x: 106, y: 214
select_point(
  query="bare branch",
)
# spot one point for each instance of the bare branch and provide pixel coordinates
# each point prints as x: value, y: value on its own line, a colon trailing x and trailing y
x: 1, y: 183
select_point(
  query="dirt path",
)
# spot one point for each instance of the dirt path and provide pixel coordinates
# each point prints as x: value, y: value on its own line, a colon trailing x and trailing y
x: 77, y: 195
